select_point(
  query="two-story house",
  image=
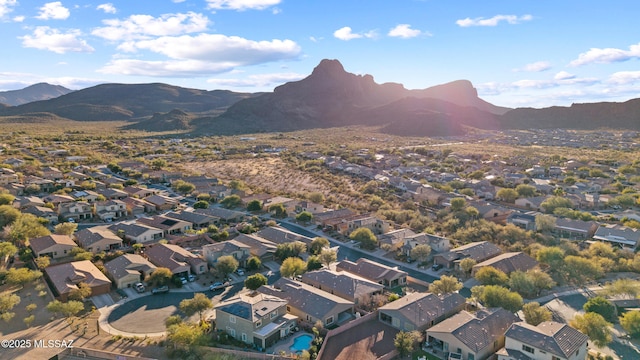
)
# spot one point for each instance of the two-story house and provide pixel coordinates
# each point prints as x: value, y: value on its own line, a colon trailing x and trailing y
x: 180, y: 261
x: 98, y: 238
x: 238, y: 250
x: 419, y: 311
x: 255, y: 318
x: 110, y: 209
x: 343, y: 284
x: 79, y: 210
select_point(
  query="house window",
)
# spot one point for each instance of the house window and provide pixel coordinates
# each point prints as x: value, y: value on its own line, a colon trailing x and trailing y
x: 288, y: 308
x: 309, y: 318
x: 274, y: 314
x: 244, y: 337
x: 258, y: 323
x: 329, y: 320
x: 471, y: 356
x: 232, y: 332
x: 232, y: 319
x: 528, y: 349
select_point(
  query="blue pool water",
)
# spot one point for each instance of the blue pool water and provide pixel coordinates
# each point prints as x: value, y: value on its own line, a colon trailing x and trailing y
x: 302, y: 342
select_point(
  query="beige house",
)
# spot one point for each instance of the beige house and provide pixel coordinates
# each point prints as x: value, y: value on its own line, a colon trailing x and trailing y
x: 508, y: 263
x: 53, y: 246
x: 110, y: 209
x: 548, y: 340
x: 138, y: 233
x: 255, y: 318
x: 65, y: 277
x: 343, y: 284
x: 472, y: 336
x: 373, y: 271
x: 78, y: 210
x: 8, y: 176
x: 238, y: 250
x: 180, y: 261
x: 128, y: 269
x: 419, y: 311
x: 98, y: 238
x: 169, y: 226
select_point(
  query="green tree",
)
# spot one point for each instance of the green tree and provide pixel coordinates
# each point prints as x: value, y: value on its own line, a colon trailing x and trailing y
x: 489, y: 275
x: 304, y: 216
x: 254, y: 205
x: 602, y: 306
x: 405, y: 342
x: 8, y: 214
x: 457, y: 204
x: 467, y: 265
x: 201, y: 204
x: 68, y: 309
x: 314, y: 263
x: 183, y: 187
x: 160, y: 276
x: 541, y: 280
x: 507, y: 195
x: 278, y: 210
x: 21, y: 276
x: 581, y: 270
x: 65, y: 228
x: 253, y: 282
x: 316, y: 197
x: 553, y: 257
x: 158, y: 164
x: 525, y: 190
x: 7, y: 250
x: 625, y: 287
x: 81, y: 292
x: 137, y: 248
x: 328, y: 257
x: 421, y: 253
x: 7, y: 302
x: 545, y: 223
x: 535, y: 314
x: 184, y: 335
x: 445, y: 285
x: 317, y: 245
x: 231, y: 201
x: 630, y: 322
x: 237, y: 185
x: 199, y: 304
x: 522, y: 284
x: 366, y: 237
x: 498, y: 296
x: 226, y: 265
x: 6, y: 199
x: 29, y: 320
x: 290, y: 249
x: 254, y: 263
x: 552, y: 203
x: 24, y: 228
x: 292, y: 267
x: 594, y: 326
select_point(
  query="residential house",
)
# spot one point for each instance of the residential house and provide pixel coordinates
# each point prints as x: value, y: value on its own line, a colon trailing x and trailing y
x: 508, y: 263
x: 162, y: 203
x: 522, y: 220
x: 54, y: 246
x: 343, y: 284
x: 138, y: 233
x: 42, y: 212
x: 493, y: 213
x: 255, y: 319
x: 51, y: 173
x: 289, y: 204
x: 478, y: 251
x: 310, y: 304
x: 224, y: 215
x: 110, y: 209
x: 430, y: 194
x: 438, y: 244
x: 373, y: 271
x: 138, y: 207
x: 531, y: 203
x: 309, y: 206
x: 238, y: 250
x: 78, y: 210
x: 394, y: 239
x: 180, y: 261
x: 128, y: 269
x: 280, y: 235
x: 378, y: 226
x: 262, y: 248
x: 575, y: 229
x: 322, y: 218
x: 113, y: 194
x: 618, y: 235
x: 85, y: 195
x: 168, y: 225
x: 198, y: 221
x: 57, y: 199
x: 483, y: 189
x: 472, y: 336
x: 27, y: 201
x: 420, y: 311
x: 44, y: 185
x: 8, y: 176
x: 98, y: 238
x: 139, y: 192
x: 548, y: 340
x: 64, y: 278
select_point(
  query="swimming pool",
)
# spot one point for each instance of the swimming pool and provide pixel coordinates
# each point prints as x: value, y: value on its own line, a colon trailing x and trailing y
x: 301, y: 342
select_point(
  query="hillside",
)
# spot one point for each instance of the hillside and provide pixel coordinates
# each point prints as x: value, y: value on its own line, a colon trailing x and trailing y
x: 36, y: 92
x: 129, y: 101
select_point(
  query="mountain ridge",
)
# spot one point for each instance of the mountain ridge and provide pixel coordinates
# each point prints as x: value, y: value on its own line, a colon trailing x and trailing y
x: 35, y: 92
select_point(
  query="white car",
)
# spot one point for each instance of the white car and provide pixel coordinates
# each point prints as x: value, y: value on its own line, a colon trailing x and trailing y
x: 139, y: 287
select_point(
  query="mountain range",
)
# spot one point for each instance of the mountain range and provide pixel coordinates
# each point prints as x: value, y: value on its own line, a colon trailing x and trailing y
x: 40, y: 91
x: 328, y: 97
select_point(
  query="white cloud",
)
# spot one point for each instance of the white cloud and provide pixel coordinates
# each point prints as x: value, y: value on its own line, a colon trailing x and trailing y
x: 537, y: 66
x: 404, y: 31
x: 346, y: 34
x: 53, y: 10
x: 494, y: 21
x: 46, y: 38
x: 241, y: 5
x: 257, y: 81
x: 607, y: 55
x: 563, y: 75
x: 107, y: 8
x: 6, y: 6
x: 144, y: 26
x: 19, y: 18
x: 201, y: 55
x: 625, y: 77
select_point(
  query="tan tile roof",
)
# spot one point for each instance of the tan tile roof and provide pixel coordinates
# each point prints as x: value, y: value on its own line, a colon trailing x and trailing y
x: 43, y: 243
x: 65, y: 277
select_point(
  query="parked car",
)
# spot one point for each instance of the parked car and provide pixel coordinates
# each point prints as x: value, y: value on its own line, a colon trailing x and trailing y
x: 436, y: 267
x: 191, y: 278
x: 160, y: 289
x: 218, y: 286
x: 240, y: 272
x: 139, y: 287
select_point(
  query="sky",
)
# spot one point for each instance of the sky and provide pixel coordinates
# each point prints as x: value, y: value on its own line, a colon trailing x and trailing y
x: 517, y: 53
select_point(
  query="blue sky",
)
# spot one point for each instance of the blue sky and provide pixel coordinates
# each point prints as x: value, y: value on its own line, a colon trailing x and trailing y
x: 515, y: 52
